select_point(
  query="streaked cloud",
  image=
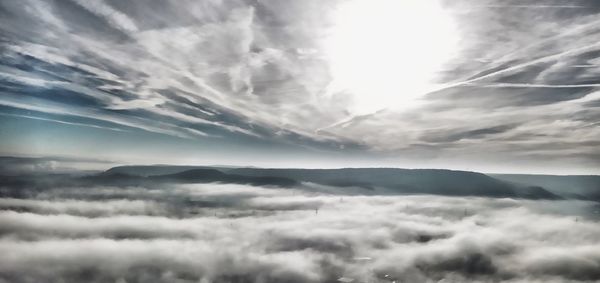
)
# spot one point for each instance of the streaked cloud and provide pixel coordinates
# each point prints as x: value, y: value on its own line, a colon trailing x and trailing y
x: 222, y: 71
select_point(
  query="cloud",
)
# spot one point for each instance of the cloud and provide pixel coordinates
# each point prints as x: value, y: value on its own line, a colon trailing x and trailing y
x: 63, y: 122
x: 233, y: 70
x: 114, y: 17
x: 469, y: 134
x: 43, y: 165
x: 224, y: 233
x: 83, y: 208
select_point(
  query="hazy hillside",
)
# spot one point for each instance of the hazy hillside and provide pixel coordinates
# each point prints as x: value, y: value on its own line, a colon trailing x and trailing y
x: 582, y: 187
x: 394, y: 180
x: 344, y: 181
x: 213, y: 175
x: 152, y: 170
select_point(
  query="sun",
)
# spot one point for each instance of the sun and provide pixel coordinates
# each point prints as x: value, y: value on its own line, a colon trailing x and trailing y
x: 386, y: 53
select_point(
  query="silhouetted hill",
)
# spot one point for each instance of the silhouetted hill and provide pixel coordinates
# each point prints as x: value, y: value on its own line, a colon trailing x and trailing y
x: 392, y: 180
x: 152, y: 170
x: 409, y: 181
x: 574, y: 186
x: 109, y: 178
x: 213, y: 175
x: 193, y: 175
x: 345, y: 180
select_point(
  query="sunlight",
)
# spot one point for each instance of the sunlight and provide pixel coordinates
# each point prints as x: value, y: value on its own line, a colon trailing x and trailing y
x: 386, y: 53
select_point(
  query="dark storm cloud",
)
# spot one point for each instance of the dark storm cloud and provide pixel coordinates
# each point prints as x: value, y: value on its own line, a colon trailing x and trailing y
x: 275, y: 235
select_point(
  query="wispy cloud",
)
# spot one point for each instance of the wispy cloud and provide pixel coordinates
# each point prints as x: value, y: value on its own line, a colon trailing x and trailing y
x: 63, y: 122
x: 113, y: 17
x: 259, y: 71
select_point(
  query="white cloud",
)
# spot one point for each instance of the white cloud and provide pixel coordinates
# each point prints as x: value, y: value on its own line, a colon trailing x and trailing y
x: 221, y: 232
x: 262, y: 71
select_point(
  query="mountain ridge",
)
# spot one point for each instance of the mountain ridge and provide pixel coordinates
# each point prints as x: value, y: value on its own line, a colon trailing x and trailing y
x: 395, y: 180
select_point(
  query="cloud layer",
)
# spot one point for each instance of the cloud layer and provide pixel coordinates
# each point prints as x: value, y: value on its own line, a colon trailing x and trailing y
x: 522, y: 86
x: 235, y: 233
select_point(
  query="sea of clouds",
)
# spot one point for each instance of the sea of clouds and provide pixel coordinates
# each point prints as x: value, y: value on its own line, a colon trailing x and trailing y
x: 236, y: 233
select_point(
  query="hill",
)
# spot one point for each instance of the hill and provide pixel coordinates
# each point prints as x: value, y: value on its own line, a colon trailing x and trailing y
x: 382, y: 180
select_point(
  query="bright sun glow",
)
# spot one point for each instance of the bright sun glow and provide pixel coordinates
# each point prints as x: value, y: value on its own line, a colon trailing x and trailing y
x: 386, y: 53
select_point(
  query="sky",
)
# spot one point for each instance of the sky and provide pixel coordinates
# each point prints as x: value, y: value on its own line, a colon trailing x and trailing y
x: 491, y: 86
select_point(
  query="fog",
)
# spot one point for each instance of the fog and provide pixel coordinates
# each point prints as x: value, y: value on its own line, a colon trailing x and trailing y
x: 238, y: 233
